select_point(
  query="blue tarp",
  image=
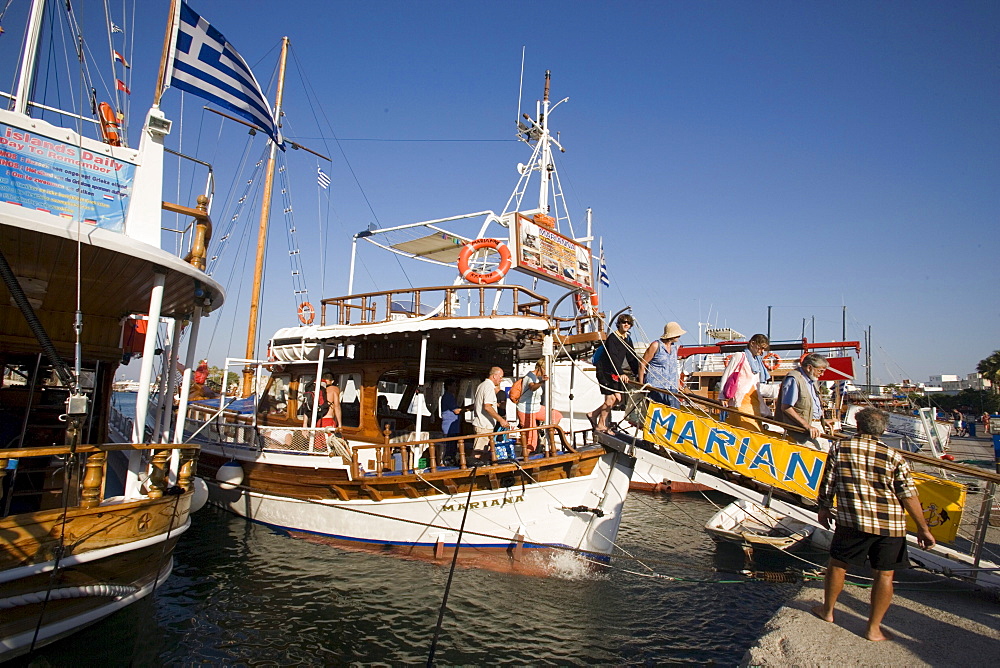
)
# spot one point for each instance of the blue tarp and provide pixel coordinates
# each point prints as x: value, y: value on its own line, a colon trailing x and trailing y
x: 243, y: 406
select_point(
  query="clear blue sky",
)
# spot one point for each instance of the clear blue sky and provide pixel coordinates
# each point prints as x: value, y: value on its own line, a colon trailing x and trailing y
x: 804, y: 156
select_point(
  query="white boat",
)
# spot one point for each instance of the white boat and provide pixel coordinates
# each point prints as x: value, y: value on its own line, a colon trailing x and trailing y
x: 79, y: 543
x: 388, y: 478
x: 751, y: 525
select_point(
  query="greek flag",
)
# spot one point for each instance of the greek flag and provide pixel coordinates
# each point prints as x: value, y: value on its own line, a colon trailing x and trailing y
x: 602, y: 274
x: 322, y: 179
x: 206, y: 65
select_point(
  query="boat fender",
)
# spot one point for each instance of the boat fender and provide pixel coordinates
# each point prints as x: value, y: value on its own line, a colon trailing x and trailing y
x: 229, y: 475
x: 200, y: 496
x: 771, y: 361
x: 109, y: 124
x: 306, y: 313
x: 473, y: 247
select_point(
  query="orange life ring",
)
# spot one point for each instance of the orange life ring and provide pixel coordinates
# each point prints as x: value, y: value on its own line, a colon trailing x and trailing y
x: 771, y: 361
x: 728, y: 358
x: 584, y: 305
x: 466, y: 272
x: 306, y: 313
x: 109, y: 124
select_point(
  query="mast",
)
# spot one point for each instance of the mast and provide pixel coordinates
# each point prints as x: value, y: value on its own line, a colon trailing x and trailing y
x: 26, y: 79
x: 168, y: 40
x: 546, y: 154
x: 265, y: 214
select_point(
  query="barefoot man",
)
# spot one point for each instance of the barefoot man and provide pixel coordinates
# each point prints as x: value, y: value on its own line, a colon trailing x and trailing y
x: 873, y: 486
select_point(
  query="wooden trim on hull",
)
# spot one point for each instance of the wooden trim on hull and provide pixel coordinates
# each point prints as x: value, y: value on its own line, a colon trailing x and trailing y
x: 90, y: 591
x: 311, y: 483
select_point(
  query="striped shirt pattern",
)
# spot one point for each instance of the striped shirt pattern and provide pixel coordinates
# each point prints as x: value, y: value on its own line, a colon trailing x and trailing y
x: 869, y: 480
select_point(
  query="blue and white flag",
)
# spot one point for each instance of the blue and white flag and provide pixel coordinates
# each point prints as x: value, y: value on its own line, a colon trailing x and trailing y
x: 206, y: 65
x: 322, y: 179
x: 602, y: 274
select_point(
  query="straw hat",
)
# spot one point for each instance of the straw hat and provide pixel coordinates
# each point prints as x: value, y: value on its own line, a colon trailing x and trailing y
x: 672, y: 330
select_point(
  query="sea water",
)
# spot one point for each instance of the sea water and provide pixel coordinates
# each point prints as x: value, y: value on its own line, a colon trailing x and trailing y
x: 244, y: 594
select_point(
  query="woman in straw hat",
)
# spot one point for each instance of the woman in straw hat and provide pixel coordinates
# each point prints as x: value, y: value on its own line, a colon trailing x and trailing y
x: 659, y: 367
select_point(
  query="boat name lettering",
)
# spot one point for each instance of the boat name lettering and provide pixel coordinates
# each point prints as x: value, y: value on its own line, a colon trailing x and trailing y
x: 766, y: 458
x: 484, y: 504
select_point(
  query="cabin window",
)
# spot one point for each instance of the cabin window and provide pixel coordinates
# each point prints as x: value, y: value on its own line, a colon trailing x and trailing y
x: 276, y: 399
x: 350, y: 398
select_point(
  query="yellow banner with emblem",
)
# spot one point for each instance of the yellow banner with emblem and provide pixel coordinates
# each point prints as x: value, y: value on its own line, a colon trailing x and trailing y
x: 772, y: 460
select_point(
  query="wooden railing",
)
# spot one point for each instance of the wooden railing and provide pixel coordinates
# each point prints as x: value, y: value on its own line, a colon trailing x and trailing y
x: 86, y: 491
x: 383, y: 453
x: 434, y: 302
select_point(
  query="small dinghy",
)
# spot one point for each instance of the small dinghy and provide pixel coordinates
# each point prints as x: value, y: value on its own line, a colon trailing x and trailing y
x: 747, y: 524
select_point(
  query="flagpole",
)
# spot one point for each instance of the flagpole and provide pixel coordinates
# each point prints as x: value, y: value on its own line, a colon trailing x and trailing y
x: 168, y: 39
x: 265, y: 214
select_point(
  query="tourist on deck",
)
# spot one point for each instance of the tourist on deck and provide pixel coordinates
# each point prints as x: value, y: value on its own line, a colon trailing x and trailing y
x: 616, y: 358
x: 798, y: 403
x: 660, y: 368
x: 874, y: 491
x: 530, y: 403
x: 739, y: 386
x: 485, y: 416
x: 201, y: 373
x: 331, y: 417
x: 451, y: 418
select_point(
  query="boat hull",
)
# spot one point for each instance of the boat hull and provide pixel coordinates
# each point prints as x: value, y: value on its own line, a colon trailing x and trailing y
x: 115, y: 556
x: 513, y: 510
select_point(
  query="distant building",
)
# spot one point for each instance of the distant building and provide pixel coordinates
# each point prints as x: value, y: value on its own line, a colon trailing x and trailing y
x: 953, y: 384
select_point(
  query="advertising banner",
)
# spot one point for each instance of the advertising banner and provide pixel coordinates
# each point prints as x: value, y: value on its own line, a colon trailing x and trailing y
x: 48, y: 175
x: 551, y: 256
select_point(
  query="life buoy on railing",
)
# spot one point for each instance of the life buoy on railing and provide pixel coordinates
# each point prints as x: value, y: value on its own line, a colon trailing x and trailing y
x: 469, y: 249
x: 728, y: 358
x: 109, y: 124
x: 306, y: 313
x: 771, y: 361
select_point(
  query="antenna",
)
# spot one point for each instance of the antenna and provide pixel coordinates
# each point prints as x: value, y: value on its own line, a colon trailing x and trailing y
x: 520, y: 87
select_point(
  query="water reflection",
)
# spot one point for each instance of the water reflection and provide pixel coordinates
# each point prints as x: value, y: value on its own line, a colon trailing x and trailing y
x: 242, y: 593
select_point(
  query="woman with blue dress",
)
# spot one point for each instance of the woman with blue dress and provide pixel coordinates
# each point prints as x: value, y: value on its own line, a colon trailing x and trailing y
x: 660, y: 369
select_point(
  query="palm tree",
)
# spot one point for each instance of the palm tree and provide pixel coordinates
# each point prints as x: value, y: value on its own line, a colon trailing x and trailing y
x: 990, y: 368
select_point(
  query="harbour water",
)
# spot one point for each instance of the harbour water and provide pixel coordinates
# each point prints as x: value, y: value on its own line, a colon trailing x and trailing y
x: 246, y: 594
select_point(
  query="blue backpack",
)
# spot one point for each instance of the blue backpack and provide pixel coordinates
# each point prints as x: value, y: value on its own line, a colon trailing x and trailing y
x: 599, y: 354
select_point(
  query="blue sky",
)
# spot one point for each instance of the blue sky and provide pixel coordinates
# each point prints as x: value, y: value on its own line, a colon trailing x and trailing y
x: 736, y: 155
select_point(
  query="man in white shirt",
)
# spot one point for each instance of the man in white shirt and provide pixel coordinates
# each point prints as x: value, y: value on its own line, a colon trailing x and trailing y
x: 485, y: 417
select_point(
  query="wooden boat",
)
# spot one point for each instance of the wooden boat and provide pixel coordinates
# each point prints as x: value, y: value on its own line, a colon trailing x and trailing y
x: 751, y: 525
x: 77, y: 541
x: 387, y: 478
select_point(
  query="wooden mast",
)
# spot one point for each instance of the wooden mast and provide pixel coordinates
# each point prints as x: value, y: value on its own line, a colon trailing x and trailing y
x: 168, y: 39
x: 265, y: 214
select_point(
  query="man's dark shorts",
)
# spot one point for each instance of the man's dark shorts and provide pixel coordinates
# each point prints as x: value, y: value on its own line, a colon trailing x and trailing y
x: 886, y: 553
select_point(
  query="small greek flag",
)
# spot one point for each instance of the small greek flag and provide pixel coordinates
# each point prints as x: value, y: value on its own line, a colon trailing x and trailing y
x: 602, y: 274
x: 206, y: 65
x: 322, y: 179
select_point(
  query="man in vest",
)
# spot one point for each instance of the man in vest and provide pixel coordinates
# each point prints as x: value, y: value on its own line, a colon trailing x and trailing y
x: 798, y: 404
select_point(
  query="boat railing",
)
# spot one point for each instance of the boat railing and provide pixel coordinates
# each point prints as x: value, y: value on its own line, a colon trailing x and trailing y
x: 413, y: 453
x: 120, y: 422
x: 81, y: 473
x: 434, y: 302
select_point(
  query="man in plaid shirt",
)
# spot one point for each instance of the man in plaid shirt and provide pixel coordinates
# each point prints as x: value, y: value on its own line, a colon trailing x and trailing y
x: 873, y: 486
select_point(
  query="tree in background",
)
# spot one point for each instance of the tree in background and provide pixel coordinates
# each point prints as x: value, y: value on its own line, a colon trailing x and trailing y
x: 990, y: 368
x: 215, y: 378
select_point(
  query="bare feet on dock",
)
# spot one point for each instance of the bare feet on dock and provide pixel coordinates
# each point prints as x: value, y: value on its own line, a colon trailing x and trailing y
x: 878, y: 635
x: 820, y: 611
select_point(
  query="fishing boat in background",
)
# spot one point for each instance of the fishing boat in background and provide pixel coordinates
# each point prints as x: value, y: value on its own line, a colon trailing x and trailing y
x: 88, y: 527
x: 387, y: 477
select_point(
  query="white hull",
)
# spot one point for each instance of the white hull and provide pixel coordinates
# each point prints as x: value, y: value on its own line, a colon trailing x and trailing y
x: 538, y: 515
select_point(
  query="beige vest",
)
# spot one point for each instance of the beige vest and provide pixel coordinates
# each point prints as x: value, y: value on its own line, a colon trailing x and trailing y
x: 804, y: 405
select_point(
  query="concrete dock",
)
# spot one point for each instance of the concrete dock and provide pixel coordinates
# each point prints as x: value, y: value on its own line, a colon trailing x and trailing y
x: 936, y: 620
